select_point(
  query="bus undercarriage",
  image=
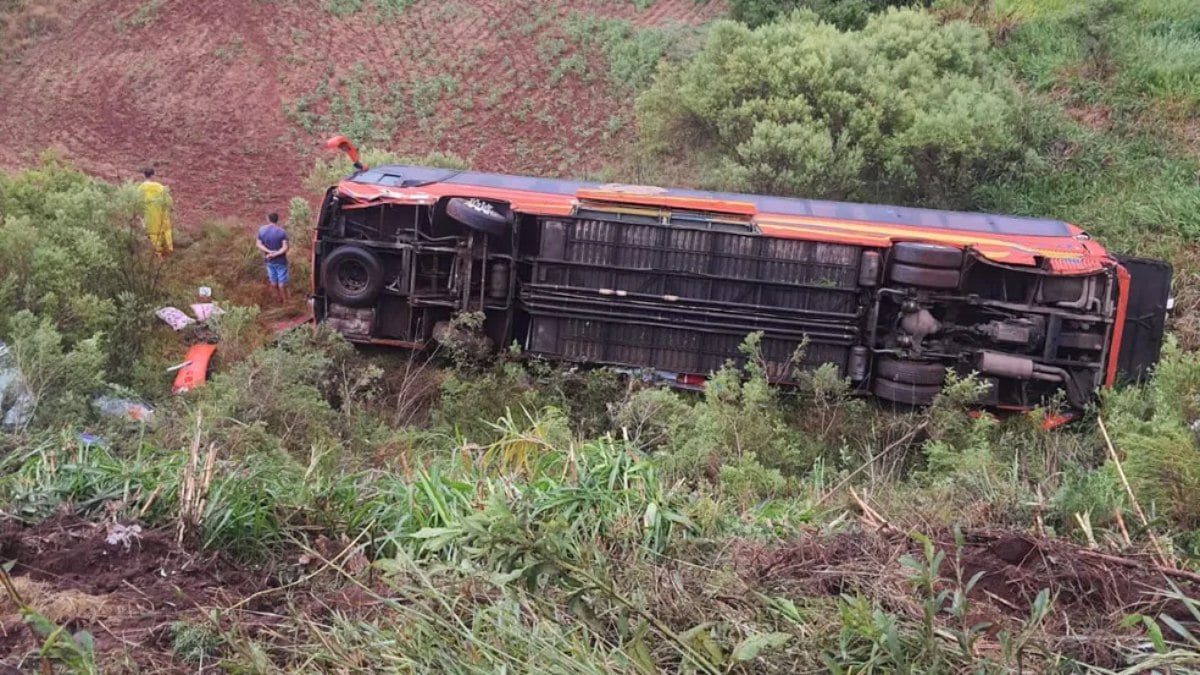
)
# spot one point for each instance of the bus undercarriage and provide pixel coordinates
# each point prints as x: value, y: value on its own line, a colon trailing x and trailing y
x: 676, y: 291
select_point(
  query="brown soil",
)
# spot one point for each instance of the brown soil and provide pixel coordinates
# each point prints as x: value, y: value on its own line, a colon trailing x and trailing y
x: 1089, y: 596
x: 125, y: 597
x: 200, y: 89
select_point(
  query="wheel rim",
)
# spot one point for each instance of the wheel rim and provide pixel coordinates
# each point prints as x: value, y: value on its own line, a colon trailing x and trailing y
x: 352, y: 275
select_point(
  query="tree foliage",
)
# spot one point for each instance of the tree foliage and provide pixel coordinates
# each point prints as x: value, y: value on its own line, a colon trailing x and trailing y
x: 903, y: 110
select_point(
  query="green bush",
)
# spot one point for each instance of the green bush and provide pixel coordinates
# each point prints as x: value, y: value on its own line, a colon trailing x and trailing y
x: 845, y: 14
x: 1153, y: 428
x: 74, y: 255
x: 632, y: 53
x: 59, y: 380
x: 905, y: 110
x: 297, y: 394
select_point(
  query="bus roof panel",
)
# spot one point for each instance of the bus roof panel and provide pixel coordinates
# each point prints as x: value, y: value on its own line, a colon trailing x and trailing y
x: 414, y: 176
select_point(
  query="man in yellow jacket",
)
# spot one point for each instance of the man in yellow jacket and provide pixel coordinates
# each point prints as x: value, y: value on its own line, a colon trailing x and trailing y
x: 156, y: 200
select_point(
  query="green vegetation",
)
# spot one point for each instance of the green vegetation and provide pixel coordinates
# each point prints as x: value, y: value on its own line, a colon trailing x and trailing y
x: 905, y: 110
x: 632, y: 54
x: 510, y: 515
x: 356, y: 105
x: 229, y: 51
x: 77, y: 291
x: 1121, y: 162
x: 142, y: 17
x: 386, y: 8
x: 845, y: 14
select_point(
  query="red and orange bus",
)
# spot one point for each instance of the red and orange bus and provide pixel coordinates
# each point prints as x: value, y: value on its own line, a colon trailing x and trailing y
x: 671, y: 281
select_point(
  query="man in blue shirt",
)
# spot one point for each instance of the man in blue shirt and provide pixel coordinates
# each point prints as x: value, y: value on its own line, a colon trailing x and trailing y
x: 273, y: 242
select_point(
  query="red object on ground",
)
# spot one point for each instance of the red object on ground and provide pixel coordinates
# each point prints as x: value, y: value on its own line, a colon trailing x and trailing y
x: 1055, y: 420
x: 195, y: 373
x: 1050, y: 421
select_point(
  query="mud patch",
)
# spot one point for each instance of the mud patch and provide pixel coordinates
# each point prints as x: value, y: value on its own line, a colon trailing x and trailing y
x: 1089, y: 595
x: 124, y: 592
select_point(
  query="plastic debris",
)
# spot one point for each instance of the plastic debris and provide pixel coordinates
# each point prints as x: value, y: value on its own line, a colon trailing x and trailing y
x: 16, y: 403
x: 123, y: 535
x: 134, y: 411
x: 89, y: 439
x: 174, y: 318
x: 204, y: 310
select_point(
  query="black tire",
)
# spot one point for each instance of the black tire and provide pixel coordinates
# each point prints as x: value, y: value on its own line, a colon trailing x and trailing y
x: 477, y: 215
x: 927, y: 277
x: 908, y: 394
x: 910, y: 372
x: 927, y: 255
x: 353, y: 276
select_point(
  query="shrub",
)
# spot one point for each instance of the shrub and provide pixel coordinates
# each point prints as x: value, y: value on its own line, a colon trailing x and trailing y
x: 299, y: 217
x: 632, y: 53
x: 845, y: 14
x: 298, y: 394
x: 58, y: 379
x: 903, y: 110
x: 473, y: 401
x: 74, y: 256
x: 1153, y: 429
x: 737, y: 437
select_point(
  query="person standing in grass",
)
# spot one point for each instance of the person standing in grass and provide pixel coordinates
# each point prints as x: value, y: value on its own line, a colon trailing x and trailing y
x: 156, y: 214
x: 273, y: 242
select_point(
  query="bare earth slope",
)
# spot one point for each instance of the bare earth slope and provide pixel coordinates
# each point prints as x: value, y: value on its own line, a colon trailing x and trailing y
x: 229, y: 98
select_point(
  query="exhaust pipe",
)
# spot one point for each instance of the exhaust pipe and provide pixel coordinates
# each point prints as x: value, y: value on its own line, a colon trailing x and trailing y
x: 1022, y: 368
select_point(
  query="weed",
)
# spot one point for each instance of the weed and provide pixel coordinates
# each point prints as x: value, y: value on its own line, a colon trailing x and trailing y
x: 228, y: 52
x: 142, y: 17
x: 195, y: 642
x: 632, y: 53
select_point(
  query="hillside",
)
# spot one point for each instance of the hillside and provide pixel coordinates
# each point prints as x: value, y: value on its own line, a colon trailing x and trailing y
x: 231, y: 98
x: 324, y: 507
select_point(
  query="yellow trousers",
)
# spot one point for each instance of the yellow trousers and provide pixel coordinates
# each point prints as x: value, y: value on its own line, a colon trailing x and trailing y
x: 157, y: 215
x: 159, y: 230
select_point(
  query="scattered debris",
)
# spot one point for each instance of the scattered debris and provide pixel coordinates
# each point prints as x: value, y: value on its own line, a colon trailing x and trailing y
x: 123, y: 535
x: 204, y: 310
x: 134, y: 411
x: 89, y: 439
x: 174, y: 318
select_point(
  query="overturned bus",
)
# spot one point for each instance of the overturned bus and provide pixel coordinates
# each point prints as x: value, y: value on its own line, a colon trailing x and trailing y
x: 672, y: 281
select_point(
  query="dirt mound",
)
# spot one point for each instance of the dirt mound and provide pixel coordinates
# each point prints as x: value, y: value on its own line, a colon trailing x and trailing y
x: 123, y: 586
x: 1090, y: 592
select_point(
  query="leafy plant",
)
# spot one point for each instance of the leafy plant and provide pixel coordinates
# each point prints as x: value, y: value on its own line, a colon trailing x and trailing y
x: 905, y: 109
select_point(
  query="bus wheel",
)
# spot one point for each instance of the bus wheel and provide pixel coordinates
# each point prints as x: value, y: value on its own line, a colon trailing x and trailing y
x: 910, y: 372
x: 353, y: 276
x: 477, y: 215
x: 901, y: 392
x: 927, y: 255
x: 928, y: 277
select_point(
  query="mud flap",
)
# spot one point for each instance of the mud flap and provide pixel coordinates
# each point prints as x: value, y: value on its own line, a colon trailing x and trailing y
x: 1145, y: 318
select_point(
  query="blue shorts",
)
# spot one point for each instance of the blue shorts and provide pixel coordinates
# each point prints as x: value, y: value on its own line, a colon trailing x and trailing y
x: 277, y: 273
